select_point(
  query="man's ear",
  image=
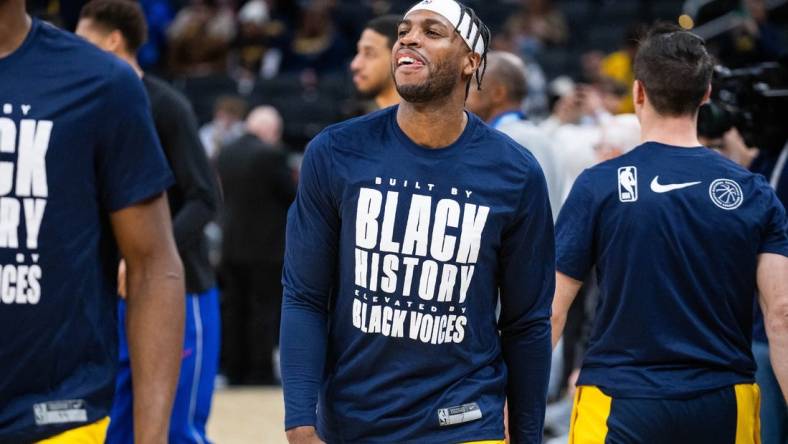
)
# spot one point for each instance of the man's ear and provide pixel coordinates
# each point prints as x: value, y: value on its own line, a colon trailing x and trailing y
x: 707, y: 96
x: 472, y: 62
x: 115, y: 42
x: 638, y: 93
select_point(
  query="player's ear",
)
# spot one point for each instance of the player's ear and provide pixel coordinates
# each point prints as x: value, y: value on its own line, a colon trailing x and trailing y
x: 638, y: 94
x: 115, y: 41
x: 471, y: 64
x: 707, y: 96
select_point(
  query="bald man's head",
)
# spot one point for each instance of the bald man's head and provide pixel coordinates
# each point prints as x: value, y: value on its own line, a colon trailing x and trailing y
x: 504, y: 87
x: 265, y: 122
x: 508, y: 70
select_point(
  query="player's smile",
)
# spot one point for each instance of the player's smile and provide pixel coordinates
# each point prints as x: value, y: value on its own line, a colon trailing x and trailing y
x: 409, y: 61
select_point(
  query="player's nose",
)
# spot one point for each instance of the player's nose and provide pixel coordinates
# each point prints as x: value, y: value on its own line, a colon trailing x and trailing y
x: 355, y: 64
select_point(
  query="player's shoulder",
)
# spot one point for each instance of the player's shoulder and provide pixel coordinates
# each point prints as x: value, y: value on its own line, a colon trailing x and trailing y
x: 70, y: 58
x: 501, y: 148
x: 55, y: 44
x: 351, y: 134
x: 361, y: 126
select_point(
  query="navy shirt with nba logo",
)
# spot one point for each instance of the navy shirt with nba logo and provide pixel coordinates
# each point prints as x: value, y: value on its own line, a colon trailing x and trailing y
x: 76, y: 144
x: 674, y: 234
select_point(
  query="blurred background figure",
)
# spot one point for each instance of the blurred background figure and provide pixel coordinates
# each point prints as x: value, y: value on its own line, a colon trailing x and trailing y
x: 618, y: 66
x: 618, y: 135
x: 226, y: 126
x: 538, y: 24
x: 258, y: 188
x: 371, y: 67
x: 500, y: 104
x: 315, y: 43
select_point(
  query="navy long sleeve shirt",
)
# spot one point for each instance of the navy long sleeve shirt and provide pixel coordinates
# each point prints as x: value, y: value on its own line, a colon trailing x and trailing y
x: 396, y: 257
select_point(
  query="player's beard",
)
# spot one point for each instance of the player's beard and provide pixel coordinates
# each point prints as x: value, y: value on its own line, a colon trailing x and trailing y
x: 439, y: 84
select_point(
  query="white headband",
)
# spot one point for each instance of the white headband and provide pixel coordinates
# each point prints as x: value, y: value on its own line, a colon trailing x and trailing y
x: 451, y: 11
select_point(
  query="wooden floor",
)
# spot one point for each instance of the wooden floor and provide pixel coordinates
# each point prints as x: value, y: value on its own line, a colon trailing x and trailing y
x: 247, y: 416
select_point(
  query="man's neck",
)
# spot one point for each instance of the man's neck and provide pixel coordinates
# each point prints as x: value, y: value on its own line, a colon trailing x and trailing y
x: 132, y: 61
x: 387, y: 97
x: 432, y: 125
x: 14, y: 26
x: 675, y: 131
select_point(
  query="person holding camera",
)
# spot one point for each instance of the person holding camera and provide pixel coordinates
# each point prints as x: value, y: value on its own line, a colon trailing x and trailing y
x: 681, y: 238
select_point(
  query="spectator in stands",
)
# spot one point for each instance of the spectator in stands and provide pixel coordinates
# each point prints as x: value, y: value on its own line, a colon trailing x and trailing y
x: 499, y: 103
x: 618, y: 135
x: 159, y: 15
x: 574, y: 104
x: 251, y: 42
x: 200, y: 37
x: 315, y: 44
x: 226, y: 127
x: 611, y: 92
x: 371, y: 66
x: 618, y: 65
x: 539, y: 23
x: 258, y: 188
x: 573, y: 127
x: 757, y: 39
x: 591, y: 66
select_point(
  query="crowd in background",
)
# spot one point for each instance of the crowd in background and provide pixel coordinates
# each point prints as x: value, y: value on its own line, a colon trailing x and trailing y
x: 265, y: 76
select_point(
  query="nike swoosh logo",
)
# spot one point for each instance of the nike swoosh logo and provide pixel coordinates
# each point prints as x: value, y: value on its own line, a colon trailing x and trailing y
x: 659, y: 188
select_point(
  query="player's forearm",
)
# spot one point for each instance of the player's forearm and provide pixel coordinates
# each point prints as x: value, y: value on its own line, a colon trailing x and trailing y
x: 557, y: 322
x: 527, y: 356
x: 566, y: 289
x: 777, y: 332
x: 773, y: 298
x: 155, y: 319
x: 303, y: 353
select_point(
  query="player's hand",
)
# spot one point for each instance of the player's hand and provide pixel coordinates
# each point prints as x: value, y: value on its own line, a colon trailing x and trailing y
x: 303, y: 435
x: 122, y: 279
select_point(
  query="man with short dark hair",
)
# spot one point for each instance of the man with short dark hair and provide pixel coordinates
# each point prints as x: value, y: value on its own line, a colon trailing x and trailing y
x: 681, y: 239
x: 371, y: 66
x: 408, y: 225
x: 118, y: 26
x: 82, y: 178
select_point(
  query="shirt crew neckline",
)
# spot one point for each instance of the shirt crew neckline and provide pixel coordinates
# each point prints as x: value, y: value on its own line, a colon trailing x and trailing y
x: 26, y: 43
x: 447, y: 151
x: 675, y: 148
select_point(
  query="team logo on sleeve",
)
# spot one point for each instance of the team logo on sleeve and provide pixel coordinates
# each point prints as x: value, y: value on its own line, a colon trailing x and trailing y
x: 628, y: 184
x: 726, y: 194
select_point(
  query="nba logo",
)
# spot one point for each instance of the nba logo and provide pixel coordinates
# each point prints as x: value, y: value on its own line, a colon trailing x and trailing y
x: 628, y: 184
